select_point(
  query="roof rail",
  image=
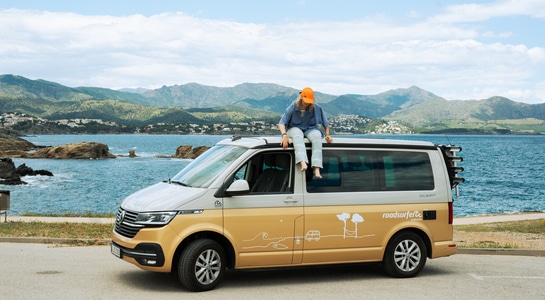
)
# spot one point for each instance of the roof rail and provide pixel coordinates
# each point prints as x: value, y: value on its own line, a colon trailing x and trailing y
x: 238, y: 137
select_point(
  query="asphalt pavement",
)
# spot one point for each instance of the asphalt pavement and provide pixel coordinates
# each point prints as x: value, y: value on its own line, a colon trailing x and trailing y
x: 40, y: 271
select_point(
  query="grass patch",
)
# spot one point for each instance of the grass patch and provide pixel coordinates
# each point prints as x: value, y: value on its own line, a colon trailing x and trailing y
x: 526, y: 226
x: 80, y: 233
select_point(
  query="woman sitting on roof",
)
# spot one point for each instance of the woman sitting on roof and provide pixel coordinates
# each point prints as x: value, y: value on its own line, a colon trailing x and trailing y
x: 301, y: 119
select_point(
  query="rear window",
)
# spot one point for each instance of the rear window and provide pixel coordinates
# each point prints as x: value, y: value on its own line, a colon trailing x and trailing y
x: 373, y: 170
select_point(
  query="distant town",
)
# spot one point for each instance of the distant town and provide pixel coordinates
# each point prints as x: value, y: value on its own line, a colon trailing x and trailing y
x: 342, y: 124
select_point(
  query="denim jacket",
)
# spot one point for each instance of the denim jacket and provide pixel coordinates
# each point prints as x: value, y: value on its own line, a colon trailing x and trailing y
x: 315, y: 119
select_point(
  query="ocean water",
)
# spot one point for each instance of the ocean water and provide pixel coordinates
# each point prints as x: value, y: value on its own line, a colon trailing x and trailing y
x: 503, y: 173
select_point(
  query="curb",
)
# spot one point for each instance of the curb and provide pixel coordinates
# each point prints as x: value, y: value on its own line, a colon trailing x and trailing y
x: 501, y: 251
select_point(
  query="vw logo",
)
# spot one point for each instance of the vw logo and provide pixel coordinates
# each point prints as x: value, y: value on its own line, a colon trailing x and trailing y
x: 120, y: 217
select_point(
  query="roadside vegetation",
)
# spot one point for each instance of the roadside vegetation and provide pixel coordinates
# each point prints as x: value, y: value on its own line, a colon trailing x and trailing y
x: 81, y: 234
x: 526, y: 226
x: 534, y: 228
x: 99, y: 234
x: 66, y: 233
x: 72, y: 215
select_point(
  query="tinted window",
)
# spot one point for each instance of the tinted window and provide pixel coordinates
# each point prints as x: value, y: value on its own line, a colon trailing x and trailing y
x: 406, y: 171
x: 355, y: 171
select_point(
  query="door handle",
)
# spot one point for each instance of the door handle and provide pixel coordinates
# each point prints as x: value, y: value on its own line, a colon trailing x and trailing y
x: 290, y: 200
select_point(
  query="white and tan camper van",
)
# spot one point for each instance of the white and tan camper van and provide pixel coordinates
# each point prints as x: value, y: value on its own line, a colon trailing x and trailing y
x: 245, y: 204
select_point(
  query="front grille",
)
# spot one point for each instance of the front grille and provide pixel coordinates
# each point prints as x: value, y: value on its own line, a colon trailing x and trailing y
x: 125, y: 223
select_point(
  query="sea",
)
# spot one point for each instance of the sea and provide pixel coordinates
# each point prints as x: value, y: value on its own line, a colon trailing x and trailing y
x: 504, y: 174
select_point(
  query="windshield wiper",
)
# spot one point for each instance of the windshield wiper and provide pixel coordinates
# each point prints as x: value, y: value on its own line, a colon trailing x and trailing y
x: 180, y: 183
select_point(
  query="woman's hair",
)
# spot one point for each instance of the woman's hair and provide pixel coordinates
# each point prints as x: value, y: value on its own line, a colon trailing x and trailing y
x: 299, y: 100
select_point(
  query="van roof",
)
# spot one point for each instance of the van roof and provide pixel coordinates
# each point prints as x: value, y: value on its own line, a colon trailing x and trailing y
x: 274, y: 141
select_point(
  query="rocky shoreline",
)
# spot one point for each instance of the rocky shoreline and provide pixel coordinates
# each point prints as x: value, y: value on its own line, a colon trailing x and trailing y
x: 12, y: 146
x: 11, y: 175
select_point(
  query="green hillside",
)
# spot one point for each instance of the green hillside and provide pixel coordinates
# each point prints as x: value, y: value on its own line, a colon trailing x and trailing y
x: 12, y: 86
x: 496, y: 114
x: 201, y: 96
x: 194, y: 103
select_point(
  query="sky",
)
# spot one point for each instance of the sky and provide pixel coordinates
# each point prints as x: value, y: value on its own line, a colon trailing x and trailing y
x: 456, y: 49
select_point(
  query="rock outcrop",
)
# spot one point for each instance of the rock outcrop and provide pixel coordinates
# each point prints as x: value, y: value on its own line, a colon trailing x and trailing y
x: 7, y: 171
x: 24, y: 170
x: 84, y: 150
x: 187, y: 151
x: 9, y: 175
x: 13, y: 146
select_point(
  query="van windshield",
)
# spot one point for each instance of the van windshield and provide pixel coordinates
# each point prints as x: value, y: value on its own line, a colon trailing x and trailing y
x: 204, y: 170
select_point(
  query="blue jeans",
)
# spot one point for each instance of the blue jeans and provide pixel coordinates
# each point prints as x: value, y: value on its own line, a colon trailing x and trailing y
x: 315, y: 138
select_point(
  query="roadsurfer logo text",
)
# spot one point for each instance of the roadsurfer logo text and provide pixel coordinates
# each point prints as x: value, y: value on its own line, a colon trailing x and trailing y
x: 402, y: 215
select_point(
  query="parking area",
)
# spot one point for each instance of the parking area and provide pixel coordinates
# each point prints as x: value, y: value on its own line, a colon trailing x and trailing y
x: 32, y: 271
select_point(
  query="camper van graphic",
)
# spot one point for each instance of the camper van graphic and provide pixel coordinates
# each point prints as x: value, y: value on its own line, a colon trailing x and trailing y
x: 349, y: 230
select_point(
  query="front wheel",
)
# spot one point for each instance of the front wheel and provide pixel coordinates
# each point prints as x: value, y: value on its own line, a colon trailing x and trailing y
x: 202, y: 265
x: 405, y: 255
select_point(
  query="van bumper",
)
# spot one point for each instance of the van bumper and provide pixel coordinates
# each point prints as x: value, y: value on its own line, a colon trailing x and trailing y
x: 445, y: 248
x: 145, y: 254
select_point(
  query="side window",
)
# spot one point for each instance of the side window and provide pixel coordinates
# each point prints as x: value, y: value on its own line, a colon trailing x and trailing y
x: 242, y: 173
x: 331, y: 175
x: 345, y: 171
x: 358, y: 171
x: 372, y: 170
x: 407, y: 171
x: 270, y: 173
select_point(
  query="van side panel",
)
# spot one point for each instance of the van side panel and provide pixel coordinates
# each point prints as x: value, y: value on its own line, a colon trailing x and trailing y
x: 368, y: 195
x: 264, y: 236
x: 361, y: 232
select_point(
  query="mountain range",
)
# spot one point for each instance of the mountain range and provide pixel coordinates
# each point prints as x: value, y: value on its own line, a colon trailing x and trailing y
x: 200, y: 104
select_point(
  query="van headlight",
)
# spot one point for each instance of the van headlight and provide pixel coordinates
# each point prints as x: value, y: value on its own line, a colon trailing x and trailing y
x: 155, y: 218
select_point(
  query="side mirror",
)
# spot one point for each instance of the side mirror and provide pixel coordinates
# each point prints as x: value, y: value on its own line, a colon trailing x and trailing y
x: 238, y: 187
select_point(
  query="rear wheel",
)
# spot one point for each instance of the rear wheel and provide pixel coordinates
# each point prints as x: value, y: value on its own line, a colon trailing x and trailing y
x: 202, y: 265
x: 405, y: 255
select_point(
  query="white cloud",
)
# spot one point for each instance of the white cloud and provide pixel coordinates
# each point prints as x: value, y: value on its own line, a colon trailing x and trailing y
x: 482, y: 12
x: 364, y: 56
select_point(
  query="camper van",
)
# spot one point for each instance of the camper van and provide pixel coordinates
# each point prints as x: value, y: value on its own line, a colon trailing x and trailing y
x: 244, y: 204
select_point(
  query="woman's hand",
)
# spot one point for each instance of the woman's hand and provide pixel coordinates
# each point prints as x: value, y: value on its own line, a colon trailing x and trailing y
x: 328, y: 138
x: 285, y: 141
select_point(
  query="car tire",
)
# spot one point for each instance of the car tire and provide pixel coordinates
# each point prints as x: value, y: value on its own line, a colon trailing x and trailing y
x: 405, y: 255
x: 202, y: 265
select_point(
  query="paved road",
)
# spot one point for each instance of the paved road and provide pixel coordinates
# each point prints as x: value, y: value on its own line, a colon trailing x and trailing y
x: 40, y: 271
